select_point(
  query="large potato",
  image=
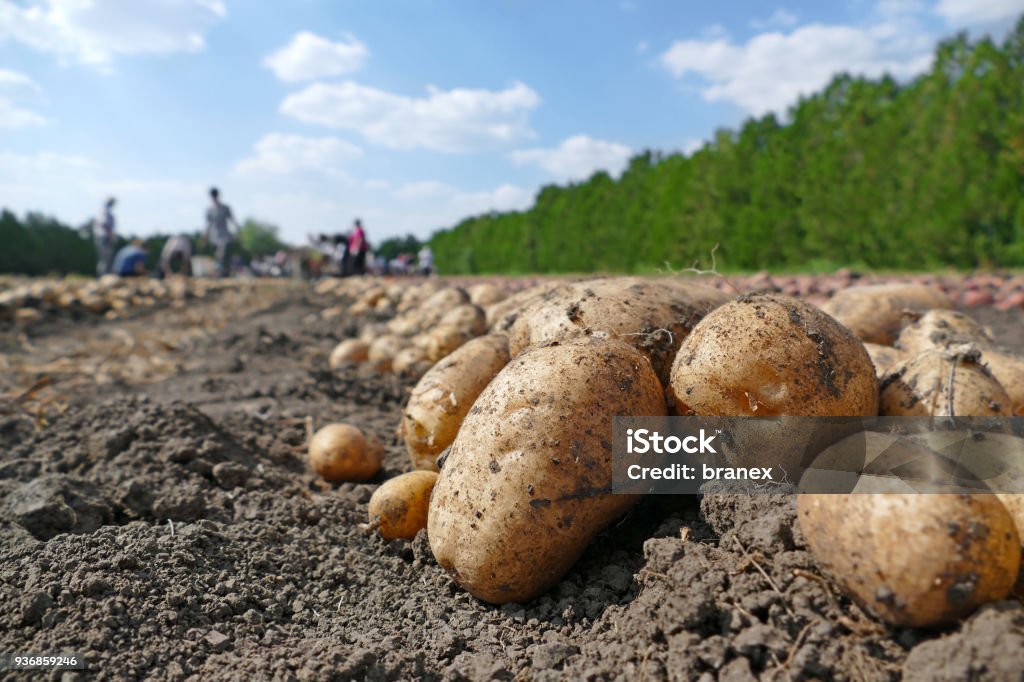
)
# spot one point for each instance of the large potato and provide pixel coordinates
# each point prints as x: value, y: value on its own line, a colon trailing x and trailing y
x: 652, y: 316
x: 441, y: 399
x: 943, y: 384
x: 940, y: 329
x: 527, y: 482
x: 874, y: 312
x: 918, y: 560
x: 767, y: 355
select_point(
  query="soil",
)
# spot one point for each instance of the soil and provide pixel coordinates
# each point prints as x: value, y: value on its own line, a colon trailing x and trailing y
x: 165, y: 526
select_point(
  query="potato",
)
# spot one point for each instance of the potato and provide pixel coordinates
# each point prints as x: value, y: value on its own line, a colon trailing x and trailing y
x: 943, y: 384
x: 1008, y: 369
x: 874, y: 312
x: 652, y: 316
x: 340, y: 452
x: 412, y: 361
x: 435, y: 307
x: 938, y: 329
x: 485, y: 294
x: 383, y: 350
x: 399, y: 506
x: 501, y: 315
x: 769, y: 355
x: 469, y: 319
x: 919, y: 560
x: 441, y: 341
x: 441, y: 399
x: 884, y: 358
x: 527, y: 483
x: 349, y: 351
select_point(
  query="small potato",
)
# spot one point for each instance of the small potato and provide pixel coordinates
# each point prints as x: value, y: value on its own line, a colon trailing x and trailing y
x: 527, y: 483
x: 768, y: 355
x: 469, y: 319
x: 434, y: 308
x: 340, y: 452
x: 383, y: 350
x: 919, y: 560
x: 411, y: 361
x: 943, y: 384
x: 441, y: 399
x: 442, y: 341
x: 485, y: 294
x: 875, y: 312
x: 399, y: 506
x: 349, y: 351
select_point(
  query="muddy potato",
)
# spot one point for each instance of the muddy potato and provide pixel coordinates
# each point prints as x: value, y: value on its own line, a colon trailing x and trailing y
x: 348, y: 351
x: 1008, y: 369
x: 527, y: 483
x: 399, y: 506
x: 919, y: 560
x: 884, y: 358
x: 769, y: 355
x: 943, y: 384
x: 937, y: 329
x: 652, y: 316
x: 441, y: 399
x: 341, y: 452
x: 874, y: 312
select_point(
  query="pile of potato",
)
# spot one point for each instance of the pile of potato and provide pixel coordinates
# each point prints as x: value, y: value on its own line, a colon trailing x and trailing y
x: 514, y: 407
x: 110, y: 296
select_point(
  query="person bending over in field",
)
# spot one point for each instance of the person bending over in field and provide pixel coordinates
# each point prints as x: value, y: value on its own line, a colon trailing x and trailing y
x: 219, y: 221
x: 177, y: 248
x: 131, y: 260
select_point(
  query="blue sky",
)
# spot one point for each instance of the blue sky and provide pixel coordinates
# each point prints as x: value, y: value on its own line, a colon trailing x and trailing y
x: 411, y: 114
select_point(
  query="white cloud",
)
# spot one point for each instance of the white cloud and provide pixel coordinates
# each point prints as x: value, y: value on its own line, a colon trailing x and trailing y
x: 506, y: 197
x: 577, y: 158
x: 284, y: 154
x: 693, y: 145
x: 95, y: 31
x: 309, y: 56
x: 423, y: 189
x: 456, y: 120
x: 976, y: 12
x: 771, y: 70
x: 377, y: 184
x: 13, y: 80
x: 14, y: 117
x: 781, y: 18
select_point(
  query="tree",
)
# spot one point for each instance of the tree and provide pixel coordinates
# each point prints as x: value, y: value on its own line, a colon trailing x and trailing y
x: 259, y: 239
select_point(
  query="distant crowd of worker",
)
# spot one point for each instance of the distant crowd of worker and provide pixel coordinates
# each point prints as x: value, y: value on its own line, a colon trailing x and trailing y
x: 340, y: 254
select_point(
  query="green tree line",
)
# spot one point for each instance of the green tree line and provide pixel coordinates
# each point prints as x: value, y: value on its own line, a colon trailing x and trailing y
x: 41, y: 245
x: 867, y: 172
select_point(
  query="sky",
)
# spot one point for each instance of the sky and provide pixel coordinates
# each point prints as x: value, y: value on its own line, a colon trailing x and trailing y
x: 409, y: 114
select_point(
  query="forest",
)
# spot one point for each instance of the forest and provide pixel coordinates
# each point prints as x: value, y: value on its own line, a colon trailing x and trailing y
x: 869, y: 173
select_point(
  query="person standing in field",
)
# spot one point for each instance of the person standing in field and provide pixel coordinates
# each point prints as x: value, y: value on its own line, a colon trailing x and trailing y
x: 219, y: 220
x: 426, y: 260
x: 357, y: 248
x: 105, y: 238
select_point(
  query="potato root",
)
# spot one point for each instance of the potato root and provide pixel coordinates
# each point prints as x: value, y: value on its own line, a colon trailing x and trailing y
x: 398, y: 508
x: 919, y: 560
x: 527, y: 483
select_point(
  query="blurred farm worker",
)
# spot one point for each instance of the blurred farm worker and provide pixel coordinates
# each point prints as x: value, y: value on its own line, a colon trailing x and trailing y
x: 357, y: 248
x: 105, y: 238
x: 131, y: 260
x: 177, y: 248
x: 219, y: 221
x: 425, y: 258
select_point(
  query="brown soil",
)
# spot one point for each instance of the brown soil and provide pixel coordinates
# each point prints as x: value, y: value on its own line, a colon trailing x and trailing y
x: 162, y: 522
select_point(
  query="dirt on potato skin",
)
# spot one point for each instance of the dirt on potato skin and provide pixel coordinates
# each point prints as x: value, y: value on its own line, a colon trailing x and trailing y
x: 172, y: 531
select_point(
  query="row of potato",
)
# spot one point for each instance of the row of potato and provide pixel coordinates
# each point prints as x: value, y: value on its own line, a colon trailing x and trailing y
x: 512, y: 423
x: 109, y: 295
